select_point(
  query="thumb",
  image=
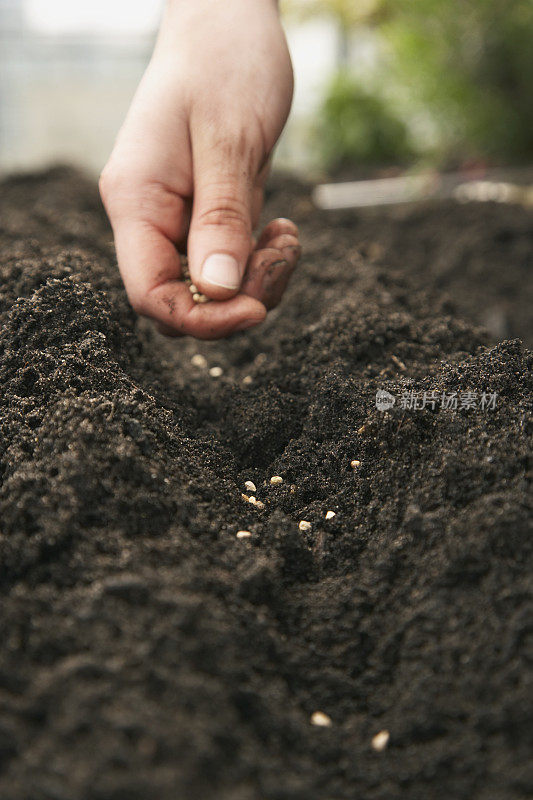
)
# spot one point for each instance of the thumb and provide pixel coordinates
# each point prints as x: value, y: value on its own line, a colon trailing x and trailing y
x: 221, y: 225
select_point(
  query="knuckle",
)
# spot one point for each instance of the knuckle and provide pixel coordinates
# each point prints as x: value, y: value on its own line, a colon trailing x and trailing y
x: 113, y: 184
x: 226, y: 212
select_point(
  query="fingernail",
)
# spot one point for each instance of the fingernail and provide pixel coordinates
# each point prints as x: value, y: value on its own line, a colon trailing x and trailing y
x: 220, y: 269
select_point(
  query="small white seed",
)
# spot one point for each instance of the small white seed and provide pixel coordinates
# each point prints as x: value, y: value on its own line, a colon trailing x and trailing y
x: 202, y: 298
x: 247, y: 380
x: 330, y: 514
x: 276, y: 479
x: 243, y: 534
x: 380, y: 741
x: 193, y: 288
x: 255, y: 502
x: 250, y: 486
x: 198, y: 360
x: 304, y: 525
x: 320, y: 719
x: 196, y: 297
x: 216, y: 372
x: 355, y: 464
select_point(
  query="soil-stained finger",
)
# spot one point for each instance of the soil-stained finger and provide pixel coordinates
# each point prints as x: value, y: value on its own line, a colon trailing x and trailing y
x: 277, y: 227
x: 266, y: 276
x: 289, y: 247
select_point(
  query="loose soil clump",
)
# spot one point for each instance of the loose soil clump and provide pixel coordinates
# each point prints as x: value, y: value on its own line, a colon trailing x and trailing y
x: 149, y: 648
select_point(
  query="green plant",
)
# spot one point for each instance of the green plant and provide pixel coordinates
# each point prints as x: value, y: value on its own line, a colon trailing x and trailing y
x: 356, y: 127
x: 468, y: 65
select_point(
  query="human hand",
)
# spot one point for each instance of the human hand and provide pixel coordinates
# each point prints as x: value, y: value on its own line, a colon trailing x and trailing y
x: 189, y: 165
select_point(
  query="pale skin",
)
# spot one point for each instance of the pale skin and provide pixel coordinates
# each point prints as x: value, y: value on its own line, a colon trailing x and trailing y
x: 189, y: 165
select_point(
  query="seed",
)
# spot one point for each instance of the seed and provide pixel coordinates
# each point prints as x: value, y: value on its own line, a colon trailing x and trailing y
x: 255, y: 502
x: 355, y: 464
x: 196, y: 297
x: 245, y: 498
x: 202, y: 298
x: 198, y: 360
x: 193, y: 288
x: 243, y: 534
x: 304, y: 525
x: 380, y: 741
x: 216, y: 372
x: 250, y: 485
x: 320, y: 719
x: 362, y: 429
x: 276, y: 479
x: 330, y: 514
x: 247, y: 380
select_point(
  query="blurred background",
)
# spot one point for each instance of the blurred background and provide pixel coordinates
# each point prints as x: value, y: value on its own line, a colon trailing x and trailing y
x: 379, y: 83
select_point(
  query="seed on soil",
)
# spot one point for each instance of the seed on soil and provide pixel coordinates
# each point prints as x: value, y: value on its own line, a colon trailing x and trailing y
x: 380, y: 741
x: 355, y: 464
x: 253, y: 501
x: 362, y: 429
x: 198, y: 360
x: 330, y: 514
x: 304, y: 525
x: 243, y: 534
x: 320, y: 719
x: 247, y: 380
x: 250, y: 486
x: 276, y: 479
x: 216, y: 372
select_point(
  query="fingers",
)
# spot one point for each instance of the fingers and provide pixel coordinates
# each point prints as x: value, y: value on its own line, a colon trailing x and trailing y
x: 151, y: 270
x: 277, y: 227
x: 221, y: 223
x: 172, y: 306
x: 266, y: 277
x: 155, y: 289
x: 271, y: 266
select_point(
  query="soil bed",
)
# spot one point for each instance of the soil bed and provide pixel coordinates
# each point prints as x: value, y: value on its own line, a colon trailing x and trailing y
x: 147, y: 652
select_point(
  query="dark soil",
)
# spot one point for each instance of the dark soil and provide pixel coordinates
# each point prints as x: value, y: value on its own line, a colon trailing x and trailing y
x: 148, y: 653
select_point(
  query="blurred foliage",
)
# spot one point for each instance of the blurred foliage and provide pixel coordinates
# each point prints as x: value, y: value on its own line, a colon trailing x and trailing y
x: 465, y: 66
x: 347, y: 13
x: 355, y: 126
x: 469, y: 63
